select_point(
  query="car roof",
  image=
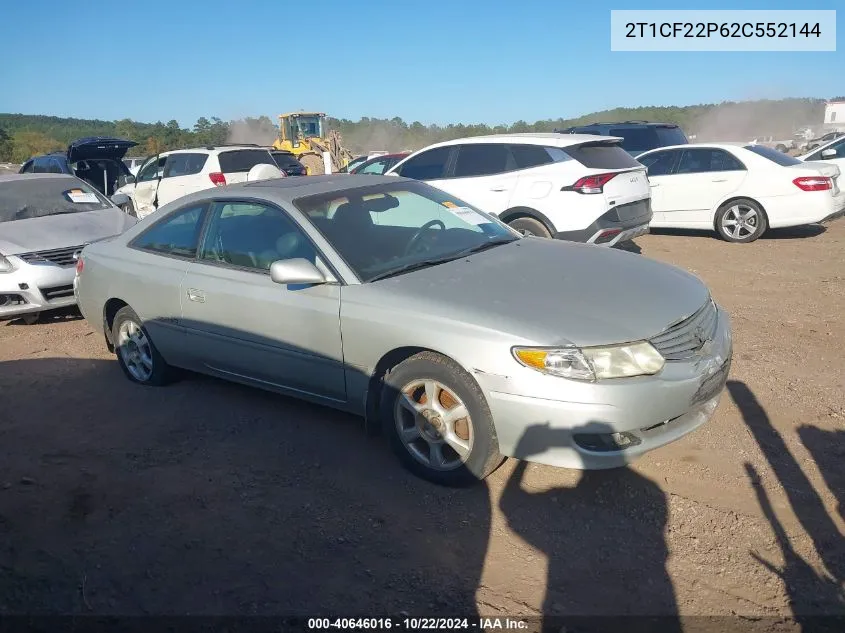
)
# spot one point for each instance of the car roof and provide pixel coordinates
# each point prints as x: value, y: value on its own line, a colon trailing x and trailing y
x: 555, y: 139
x: 14, y: 177
x: 213, y: 148
x: 726, y: 146
x: 621, y: 123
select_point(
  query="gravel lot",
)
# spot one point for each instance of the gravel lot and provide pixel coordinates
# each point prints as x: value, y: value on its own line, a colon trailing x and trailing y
x: 207, y: 497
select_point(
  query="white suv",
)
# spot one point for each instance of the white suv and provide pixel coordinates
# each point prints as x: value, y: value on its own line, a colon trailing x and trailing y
x: 577, y: 187
x: 171, y: 175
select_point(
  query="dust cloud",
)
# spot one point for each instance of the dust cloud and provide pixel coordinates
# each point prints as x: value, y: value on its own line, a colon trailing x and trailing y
x: 746, y: 121
x: 261, y: 131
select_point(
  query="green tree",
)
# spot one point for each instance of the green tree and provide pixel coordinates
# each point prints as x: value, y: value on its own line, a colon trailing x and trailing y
x: 29, y: 144
x: 7, y: 147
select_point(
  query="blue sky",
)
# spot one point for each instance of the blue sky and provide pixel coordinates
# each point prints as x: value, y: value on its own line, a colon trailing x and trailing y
x: 432, y: 61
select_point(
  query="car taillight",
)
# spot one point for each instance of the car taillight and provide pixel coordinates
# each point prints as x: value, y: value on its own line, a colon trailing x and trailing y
x: 813, y: 183
x: 217, y: 178
x: 80, y: 264
x: 591, y: 184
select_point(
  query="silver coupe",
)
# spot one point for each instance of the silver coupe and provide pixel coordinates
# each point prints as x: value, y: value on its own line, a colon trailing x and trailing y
x: 460, y: 339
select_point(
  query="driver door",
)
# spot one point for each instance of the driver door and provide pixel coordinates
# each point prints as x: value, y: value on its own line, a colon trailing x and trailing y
x: 146, y: 186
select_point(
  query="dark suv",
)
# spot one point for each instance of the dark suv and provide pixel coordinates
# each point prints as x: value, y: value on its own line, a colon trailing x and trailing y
x: 638, y: 136
x: 98, y: 160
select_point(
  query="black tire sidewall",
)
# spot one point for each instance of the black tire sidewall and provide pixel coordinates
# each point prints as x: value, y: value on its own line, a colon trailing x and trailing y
x: 762, y: 225
x: 160, y: 373
x: 534, y: 226
x: 484, y: 457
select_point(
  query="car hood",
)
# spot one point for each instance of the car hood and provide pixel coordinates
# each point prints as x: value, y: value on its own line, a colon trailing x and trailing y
x: 60, y: 231
x: 98, y: 147
x: 552, y: 292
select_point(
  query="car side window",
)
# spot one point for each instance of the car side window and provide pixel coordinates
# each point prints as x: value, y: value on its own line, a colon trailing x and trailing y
x: 659, y: 163
x: 54, y: 167
x: 376, y: 167
x: 151, y: 170
x: 176, y: 235
x: 482, y: 159
x: 41, y: 166
x: 429, y: 165
x: 253, y: 236
x: 695, y: 161
x: 28, y: 167
x: 720, y: 160
x: 526, y: 156
x: 184, y: 164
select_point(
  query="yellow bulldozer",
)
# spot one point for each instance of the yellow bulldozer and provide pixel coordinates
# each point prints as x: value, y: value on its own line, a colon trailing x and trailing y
x: 304, y: 134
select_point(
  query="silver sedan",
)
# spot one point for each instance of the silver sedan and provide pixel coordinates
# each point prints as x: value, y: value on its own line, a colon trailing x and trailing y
x: 463, y: 341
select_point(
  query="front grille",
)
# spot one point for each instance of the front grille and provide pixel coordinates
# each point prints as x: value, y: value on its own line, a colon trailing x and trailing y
x: 58, y: 256
x: 57, y: 292
x: 684, y: 339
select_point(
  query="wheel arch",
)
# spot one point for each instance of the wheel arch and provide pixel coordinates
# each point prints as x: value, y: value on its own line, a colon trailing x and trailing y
x: 527, y: 212
x: 372, y: 424
x: 735, y: 199
x: 110, y: 309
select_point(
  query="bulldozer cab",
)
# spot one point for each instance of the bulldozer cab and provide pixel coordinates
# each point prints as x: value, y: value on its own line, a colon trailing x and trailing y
x: 297, y: 126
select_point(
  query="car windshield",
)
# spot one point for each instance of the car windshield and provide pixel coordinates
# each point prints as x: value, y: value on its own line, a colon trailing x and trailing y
x: 388, y: 229
x: 39, y: 197
x: 776, y: 156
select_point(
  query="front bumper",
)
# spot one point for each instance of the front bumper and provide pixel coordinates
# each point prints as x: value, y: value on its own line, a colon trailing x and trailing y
x: 618, y: 225
x: 609, y: 423
x: 32, y: 288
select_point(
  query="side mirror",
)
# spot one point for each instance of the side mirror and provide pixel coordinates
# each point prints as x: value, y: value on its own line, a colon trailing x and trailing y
x: 119, y: 199
x: 829, y: 153
x: 295, y: 271
x: 392, y: 173
x: 124, y: 180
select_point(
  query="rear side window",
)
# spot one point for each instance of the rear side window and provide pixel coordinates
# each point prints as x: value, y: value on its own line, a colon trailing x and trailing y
x: 41, y: 166
x: 177, y: 235
x: 637, y: 139
x: 602, y: 156
x: 429, y: 165
x: 481, y: 159
x: 784, y: 160
x: 696, y: 161
x: 184, y: 164
x: 286, y: 161
x: 671, y: 136
x: 242, y: 160
x: 526, y: 156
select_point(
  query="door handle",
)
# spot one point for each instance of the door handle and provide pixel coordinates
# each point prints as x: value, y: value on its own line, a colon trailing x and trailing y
x: 498, y: 189
x: 196, y: 295
x: 654, y: 184
x: 720, y: 180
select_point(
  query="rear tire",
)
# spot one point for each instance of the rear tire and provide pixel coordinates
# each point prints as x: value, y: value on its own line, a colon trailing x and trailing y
x: 741, y: 221
x: 136, y: 354
x: 417, y: 398
x: 313, y: 163
x: 530, y: 226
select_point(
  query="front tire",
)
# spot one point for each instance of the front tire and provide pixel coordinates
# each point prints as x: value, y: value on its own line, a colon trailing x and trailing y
x: 741, y: 221
x: 136, y: 354
x: 129, y: 209
x: 438, y: 421
x: 530, y: 226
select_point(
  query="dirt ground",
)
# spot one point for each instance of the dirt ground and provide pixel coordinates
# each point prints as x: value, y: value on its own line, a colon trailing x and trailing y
x: 211, y: 498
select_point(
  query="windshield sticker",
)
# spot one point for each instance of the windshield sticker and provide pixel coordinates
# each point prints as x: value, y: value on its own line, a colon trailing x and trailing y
x: 450, y: 205
x: 469, y: 216
x: 80, y: 197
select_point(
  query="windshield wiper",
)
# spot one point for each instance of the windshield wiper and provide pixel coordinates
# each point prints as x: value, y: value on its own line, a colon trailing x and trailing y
x: 442, y: 260
x: 416, y: 265
x: 485, y: 245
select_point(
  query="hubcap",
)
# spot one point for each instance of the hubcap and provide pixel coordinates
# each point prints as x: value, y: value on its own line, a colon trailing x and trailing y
x: 134, y: 349
x: 434, y: 424
x: 740, y: 221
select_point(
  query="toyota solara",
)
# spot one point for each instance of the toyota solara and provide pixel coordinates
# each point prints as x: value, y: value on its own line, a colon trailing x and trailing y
x: 460, y: 339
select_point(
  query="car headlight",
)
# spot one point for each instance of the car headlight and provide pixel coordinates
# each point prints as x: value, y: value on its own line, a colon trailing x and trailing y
x: 5, y: 265
x: 593, y: 363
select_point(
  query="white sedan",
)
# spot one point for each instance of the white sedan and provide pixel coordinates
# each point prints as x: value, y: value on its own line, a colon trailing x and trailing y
x: 832, y: 152
x: 739, y: 191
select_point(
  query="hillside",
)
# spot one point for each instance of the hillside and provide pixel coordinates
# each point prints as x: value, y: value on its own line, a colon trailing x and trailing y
x: 23, y: 135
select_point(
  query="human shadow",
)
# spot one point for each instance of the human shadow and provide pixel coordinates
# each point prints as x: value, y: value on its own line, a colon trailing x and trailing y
x: 828, y: 451
x: 790, y: 233
x: 581, y: 529
x: 215, y: 499
x: 811, y: 594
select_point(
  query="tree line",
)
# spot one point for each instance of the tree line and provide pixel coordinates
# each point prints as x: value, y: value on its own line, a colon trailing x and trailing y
x: 23, y: 135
